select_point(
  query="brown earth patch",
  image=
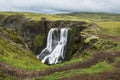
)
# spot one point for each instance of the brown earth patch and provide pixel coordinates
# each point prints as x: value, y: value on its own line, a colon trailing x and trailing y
x: 100, y: 76
x: 110, y: 37
x: 25, y: 74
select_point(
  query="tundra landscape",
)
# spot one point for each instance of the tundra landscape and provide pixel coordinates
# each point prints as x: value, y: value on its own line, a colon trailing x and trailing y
x: 71, y: 44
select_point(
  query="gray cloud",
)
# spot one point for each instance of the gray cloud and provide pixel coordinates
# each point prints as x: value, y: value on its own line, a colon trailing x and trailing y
x: 58, y: 6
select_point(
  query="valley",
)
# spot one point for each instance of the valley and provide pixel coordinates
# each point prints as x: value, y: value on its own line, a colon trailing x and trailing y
x: 92, y: 50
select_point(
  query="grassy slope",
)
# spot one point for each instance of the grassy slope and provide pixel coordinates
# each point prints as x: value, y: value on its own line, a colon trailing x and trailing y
x: 111, y: 28
x: 109, y: 24
x: 102, y: 66
x: 93, y: 17
x: 16, y: 54
x: 13, y: 54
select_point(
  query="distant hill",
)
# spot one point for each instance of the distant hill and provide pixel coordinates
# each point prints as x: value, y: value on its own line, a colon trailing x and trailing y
x: 69, y: 16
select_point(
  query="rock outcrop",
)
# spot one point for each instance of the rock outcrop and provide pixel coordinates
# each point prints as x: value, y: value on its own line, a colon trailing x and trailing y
x: 34, y: 33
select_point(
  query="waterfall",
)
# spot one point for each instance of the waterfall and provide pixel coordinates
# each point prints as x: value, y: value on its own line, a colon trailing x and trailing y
x: 56, y: 41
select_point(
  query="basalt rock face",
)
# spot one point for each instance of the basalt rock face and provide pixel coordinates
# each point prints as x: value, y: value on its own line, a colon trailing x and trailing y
x: 32, y: 29
x: 2, y: 17
x: 13, y: 22
x: 34, y: 33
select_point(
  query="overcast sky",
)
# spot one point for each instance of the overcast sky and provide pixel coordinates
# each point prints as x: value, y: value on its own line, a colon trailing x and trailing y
x: 60, y: 6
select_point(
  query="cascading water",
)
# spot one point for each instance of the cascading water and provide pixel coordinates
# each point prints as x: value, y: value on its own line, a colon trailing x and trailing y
x: 56, y: 42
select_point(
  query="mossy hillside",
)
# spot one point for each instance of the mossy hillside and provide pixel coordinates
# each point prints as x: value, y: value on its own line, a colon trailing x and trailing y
x: 37, y: 41
x: 75, y: 47
x: 14, y: 52
x: 104, y: 20
x: 72, y: 61
x: 99, y: 67
x: 98, y: 17
x: 17, y: 55
x: 31, y: 16
x: 90, y: 43
x: 103, y: 44
x: 111, y: 28
x: 92, y: 17
x: 84, y: 45
x: 31, y: 27
x: 10, y: 34
x: 37, y: 17
x: 14, y: 22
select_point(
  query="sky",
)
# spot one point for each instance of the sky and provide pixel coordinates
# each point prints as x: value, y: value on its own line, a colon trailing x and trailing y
x: 60, y: 6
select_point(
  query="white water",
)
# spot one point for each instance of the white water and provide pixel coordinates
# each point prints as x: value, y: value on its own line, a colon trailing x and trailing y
x: 54, y: 51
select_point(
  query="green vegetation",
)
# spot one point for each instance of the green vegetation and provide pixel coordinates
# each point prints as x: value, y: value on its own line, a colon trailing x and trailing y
x: 10, y: 34
x: 103, y: 44
x: 99, y: 67
x: 89, y: 39
x: 13, y: 51
x: 92, y: 17
x: 111, y: 28
x: 16, y: 54
x: 38, y: 40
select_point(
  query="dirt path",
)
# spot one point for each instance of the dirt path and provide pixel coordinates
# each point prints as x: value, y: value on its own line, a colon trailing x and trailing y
x: 115, y: 75
x: 110, y: 37
x: 25, y: 74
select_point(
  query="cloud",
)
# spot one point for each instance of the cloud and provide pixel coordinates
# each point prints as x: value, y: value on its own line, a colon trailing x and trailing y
x: 59, y: 6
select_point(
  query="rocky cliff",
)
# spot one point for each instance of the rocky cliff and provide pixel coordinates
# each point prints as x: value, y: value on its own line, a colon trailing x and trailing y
x: 34, y: 33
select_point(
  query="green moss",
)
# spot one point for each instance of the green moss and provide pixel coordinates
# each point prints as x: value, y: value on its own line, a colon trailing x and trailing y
x: 99, y: 67
x: 10, y: 34
x: 17, y: 55
x: 89, y: 39
x: 103, y: 44
x: 38, y: 41
x: 111, y: 27
x: 91, y: 17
